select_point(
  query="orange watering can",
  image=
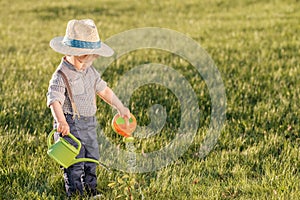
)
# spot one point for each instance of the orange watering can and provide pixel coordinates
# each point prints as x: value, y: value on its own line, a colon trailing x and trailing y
x: 119, y: 125
x: 64, y: 153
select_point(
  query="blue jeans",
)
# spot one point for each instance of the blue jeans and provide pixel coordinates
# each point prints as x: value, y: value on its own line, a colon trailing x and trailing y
x: 82, y: 176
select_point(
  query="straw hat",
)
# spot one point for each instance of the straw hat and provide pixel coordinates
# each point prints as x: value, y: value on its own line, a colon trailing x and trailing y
x: 81, y: 38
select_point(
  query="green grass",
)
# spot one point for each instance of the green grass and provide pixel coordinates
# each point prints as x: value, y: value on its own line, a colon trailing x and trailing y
x: 255, y: 45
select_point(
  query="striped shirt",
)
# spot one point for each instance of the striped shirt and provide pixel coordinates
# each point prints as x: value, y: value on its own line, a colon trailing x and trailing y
x: 84, y: 85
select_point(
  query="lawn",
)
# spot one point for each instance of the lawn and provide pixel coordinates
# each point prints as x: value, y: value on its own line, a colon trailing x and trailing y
x: 255, y: 47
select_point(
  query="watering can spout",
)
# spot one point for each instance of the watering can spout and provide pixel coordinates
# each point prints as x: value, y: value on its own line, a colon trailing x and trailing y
x: 84, y: 160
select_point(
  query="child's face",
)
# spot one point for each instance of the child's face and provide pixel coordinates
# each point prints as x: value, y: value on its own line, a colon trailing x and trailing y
x: 87, y: 58
x: 84, y: 61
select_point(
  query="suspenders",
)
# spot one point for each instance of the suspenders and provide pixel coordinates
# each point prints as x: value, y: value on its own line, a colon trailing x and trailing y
x: 69, y: 91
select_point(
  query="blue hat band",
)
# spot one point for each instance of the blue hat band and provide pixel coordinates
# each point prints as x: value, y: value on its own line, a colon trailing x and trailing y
x: 81, y: 44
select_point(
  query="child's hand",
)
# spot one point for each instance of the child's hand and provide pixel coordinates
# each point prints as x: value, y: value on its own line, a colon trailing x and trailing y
x: 58, y: 114
x: 63, y: 128
x: 125, y: 113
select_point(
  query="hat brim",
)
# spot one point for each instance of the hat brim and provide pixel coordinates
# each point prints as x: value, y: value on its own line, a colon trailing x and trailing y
x: 57, y: 45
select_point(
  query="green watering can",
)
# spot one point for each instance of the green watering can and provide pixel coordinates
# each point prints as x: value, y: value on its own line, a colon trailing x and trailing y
x: 64, y: 153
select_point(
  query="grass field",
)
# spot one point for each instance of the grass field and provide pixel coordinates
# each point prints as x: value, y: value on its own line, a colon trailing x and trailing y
x: 254, y: 44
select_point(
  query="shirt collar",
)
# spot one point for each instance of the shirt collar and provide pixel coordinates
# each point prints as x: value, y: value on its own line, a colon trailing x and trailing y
x: 71, y: 67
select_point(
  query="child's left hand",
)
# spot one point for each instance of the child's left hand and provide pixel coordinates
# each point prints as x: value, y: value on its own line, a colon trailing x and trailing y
x: 125, y: 113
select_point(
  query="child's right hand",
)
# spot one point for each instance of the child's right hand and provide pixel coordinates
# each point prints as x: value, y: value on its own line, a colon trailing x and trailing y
x: 63, y: 128
x: 59, y: 117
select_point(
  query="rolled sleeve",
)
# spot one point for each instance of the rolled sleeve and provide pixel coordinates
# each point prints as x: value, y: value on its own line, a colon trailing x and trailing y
x: 100, y: 85
x: 56, y: 90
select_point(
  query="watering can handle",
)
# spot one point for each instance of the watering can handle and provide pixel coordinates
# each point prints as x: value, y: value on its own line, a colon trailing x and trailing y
x: 50, y: 137
x: 70, y: 135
